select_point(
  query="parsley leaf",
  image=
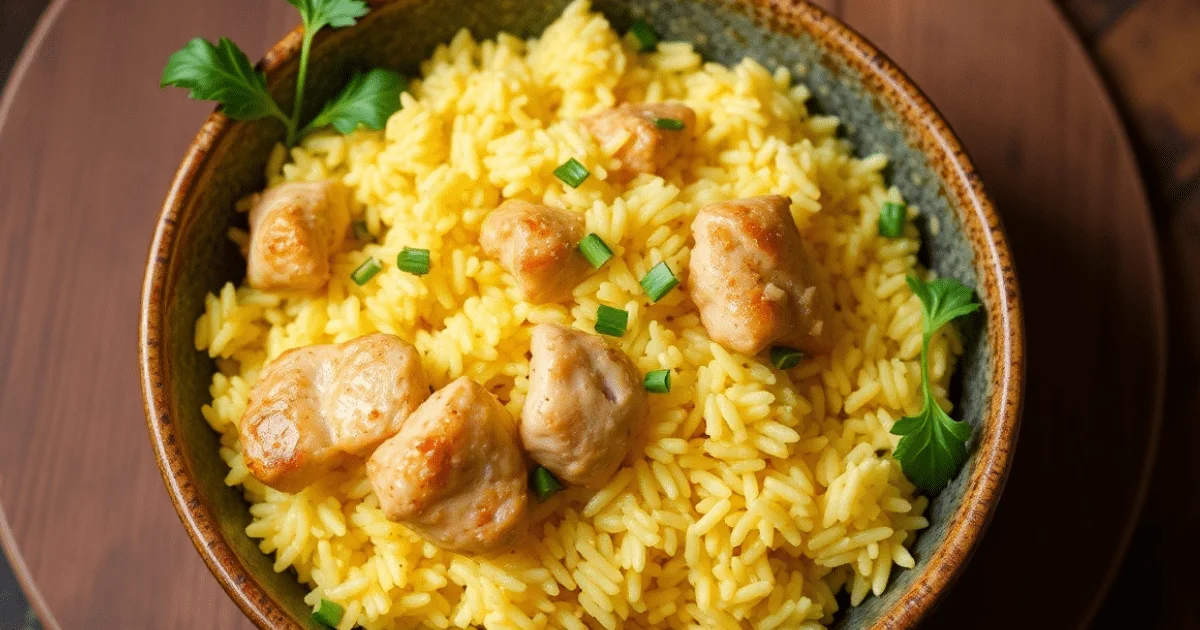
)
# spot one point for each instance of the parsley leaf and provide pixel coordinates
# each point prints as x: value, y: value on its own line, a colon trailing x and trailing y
x: 942, y: 300
x: 932, y: 446
x: 318, y: 14
x: 336, y: 13
x: 222, y: 73
x: 367, y: 100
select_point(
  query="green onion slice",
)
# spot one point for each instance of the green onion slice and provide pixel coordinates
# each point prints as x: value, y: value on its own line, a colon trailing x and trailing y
x: 545, y: 484
x: 572, y: 173
x: 361, y: 231
x: 646, y: 38
x: 670, y: 124
x: 659, y: 281
x: 366, y: 271
x: 414, y: 261
x: 658, y: 381
x: 328, y: 613
x: 595, y: 250
x: 891, y: 219
x: 785, y: 358
x: 611, y: 321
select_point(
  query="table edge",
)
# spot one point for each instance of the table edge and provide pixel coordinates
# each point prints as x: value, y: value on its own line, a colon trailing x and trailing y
x: 8, y: 541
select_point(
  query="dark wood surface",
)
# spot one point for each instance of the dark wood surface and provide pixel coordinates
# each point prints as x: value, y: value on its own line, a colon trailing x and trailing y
x: 1150, y: 54
x: 90, y: 143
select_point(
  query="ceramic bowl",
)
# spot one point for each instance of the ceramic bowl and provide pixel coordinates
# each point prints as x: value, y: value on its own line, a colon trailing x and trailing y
x: 881, y: 110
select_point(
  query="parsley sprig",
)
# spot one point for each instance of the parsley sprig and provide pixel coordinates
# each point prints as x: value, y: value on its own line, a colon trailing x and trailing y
x: 221, y: 72
x: 358, y: 104
x: 933, y: 446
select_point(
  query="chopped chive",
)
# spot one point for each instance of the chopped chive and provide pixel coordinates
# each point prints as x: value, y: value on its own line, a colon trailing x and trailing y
x: 670, y: 124
x: 366, y: 271
x: 414, y: 261
x: 659, y: 281
x: 328, y: 613
x: 572, y: 173
x: 646, y: 38
x: 361, y: 231
x: 658, y: 381
x: 595, y: 250
x: 611, y: 321
x: 545, y: 484
x: 785, y: 358
x: 891, y: 219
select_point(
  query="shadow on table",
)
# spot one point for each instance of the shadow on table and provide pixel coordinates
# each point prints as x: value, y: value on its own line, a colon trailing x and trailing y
x: 15, y: 613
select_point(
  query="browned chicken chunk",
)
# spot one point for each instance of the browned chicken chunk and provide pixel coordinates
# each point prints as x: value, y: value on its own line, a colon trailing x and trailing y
x: 455, y: 473
x: 584, y: 405
x: 748, y: 278
x: 315, y: 407
x: 286, y: 439
x: 654, y: 137
x: 294, y: 229
x: 538, y: 245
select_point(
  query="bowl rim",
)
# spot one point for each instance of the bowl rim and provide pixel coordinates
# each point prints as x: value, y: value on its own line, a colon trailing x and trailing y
x: 885, y: 81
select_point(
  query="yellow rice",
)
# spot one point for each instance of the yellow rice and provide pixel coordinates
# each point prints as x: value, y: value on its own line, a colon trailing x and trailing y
x: 754, y: 496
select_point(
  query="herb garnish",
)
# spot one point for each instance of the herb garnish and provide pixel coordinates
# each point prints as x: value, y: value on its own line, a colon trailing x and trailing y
x: 892, y: 216
x: 784, y: 358
x: 328, y: 613
x: 658, y: 381
x: 545, y: 484
x: 611, y: 321
x: 369, y: 269
x: 223, y: 73
x: 364, y: 101
x: 595, y: 250
x: 659, y: 281
x: 572, y: 173
x: 644, y: 36
x: 414, y: 261
x: 933, y: 446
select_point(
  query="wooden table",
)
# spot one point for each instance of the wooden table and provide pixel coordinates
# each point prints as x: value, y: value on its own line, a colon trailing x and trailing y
x: 1150, y: 54
x: 83, y: 169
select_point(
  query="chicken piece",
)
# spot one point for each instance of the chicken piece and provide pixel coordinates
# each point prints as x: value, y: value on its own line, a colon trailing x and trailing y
x: 286, y: 440
x: 378, y: 382
x: 294, y: 229
x: 455, y: 473
x: 316, y: 407
x: 748, y: 278
x: 584, y: 405
x: 538, y: 245
x: 650, y: 147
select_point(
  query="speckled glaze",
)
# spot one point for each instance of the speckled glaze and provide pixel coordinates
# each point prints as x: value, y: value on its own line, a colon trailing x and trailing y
x: 881, y: 110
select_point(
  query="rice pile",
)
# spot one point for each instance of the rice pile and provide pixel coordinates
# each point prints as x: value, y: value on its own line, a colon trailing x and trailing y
x: 754, y: 496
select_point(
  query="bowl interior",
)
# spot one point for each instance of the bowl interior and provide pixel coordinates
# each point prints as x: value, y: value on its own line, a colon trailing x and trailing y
x: 198, y: 258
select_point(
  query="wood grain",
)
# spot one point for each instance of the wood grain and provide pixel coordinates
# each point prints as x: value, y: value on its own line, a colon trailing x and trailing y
x: 78, y: 484
x: 1152, y: 57
x: 83, y: 177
